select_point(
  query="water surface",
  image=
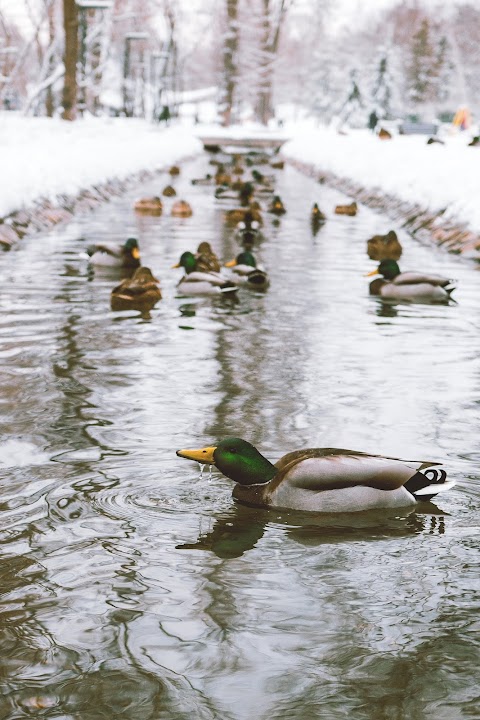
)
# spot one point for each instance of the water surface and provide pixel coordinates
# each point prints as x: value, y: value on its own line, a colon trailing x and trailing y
x: 134, y: 588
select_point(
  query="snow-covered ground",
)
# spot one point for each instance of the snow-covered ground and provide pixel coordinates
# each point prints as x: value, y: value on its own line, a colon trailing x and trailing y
x: 436, y: 176
x: 43, y: 157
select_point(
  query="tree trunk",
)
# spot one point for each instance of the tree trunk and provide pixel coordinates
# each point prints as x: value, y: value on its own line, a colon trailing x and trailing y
x: 49, y: 101
x: 229, y: 63
x: 70, y: 23
x: 270, y: 41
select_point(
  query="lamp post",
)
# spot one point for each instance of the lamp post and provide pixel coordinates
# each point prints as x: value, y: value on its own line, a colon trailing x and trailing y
x: 86, y: 8
x: 127, y: 100
x: 158, y: 72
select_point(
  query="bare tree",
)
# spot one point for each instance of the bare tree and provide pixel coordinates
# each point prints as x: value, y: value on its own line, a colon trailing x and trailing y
x: 70, y: 24
x: 272, y: 21
x: 230, y: 49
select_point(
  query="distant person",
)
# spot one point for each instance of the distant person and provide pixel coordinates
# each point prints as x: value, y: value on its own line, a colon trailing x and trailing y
x: 164, y: 115
x: 372, y: 120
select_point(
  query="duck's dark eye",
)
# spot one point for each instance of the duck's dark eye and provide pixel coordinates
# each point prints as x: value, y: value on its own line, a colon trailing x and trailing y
x: 233, y: 450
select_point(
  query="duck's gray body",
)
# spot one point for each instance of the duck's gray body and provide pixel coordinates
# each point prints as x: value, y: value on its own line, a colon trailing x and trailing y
x: 332, y: 480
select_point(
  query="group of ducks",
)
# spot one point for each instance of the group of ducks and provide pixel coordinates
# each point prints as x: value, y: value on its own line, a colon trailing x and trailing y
x: 396, y: 286
x: 317, y: 479
x: 331, y: 479
x: 203, y: 273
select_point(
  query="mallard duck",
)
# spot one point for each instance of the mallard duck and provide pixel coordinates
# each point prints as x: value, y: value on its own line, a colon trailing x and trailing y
x: 347, y: 209
x: 195, y: 282
x: 248, y: 234
x: 316, y: 216
x: 206, y: 260
x: 409, y: 286
x: 207, y: 180
x: 169, y: 191
x: 245, y: 267
x: 181, y: 208
x: 384, y: 134
x: 246, y: 215
x: 222, y: 177
x: 276, y: 206
x: 122, y: 256
x: 152, y: 206
x: 245, y: 194
x: 384, y: 247
x: 141, y: 292
x: 225, y: 192
x: 322, y: 479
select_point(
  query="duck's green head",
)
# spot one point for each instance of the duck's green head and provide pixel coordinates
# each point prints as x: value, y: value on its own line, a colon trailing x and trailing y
x: 131, y: 248
x: 389, y: 269
x: 235, y: 458
x: 187, y: 261
x: 244, y: 258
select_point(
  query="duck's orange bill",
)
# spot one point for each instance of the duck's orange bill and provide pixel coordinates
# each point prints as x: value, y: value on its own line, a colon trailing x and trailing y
x: 136, y: 253
x: 204, y: 455
x: 231, y: 263
x: 374, y: 272
x: 176, y: 266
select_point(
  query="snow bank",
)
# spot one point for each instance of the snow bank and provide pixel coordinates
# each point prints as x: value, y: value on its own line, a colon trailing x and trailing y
x: 44, y: 157
x: 436, y: 177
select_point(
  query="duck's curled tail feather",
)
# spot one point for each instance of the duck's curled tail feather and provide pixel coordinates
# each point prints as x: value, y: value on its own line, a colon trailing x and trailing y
x: 425, y: 485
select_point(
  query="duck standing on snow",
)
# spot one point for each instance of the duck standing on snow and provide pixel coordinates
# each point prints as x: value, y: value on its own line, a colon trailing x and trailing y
x: 141, y: 292
x: 195, y: 282
x: 409, y: 286
x: 123, y: 256
x: 322, y: 479
x: 245, y: 268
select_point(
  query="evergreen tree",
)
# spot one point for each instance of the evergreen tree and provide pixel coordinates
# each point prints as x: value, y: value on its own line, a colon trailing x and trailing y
x: 353, y: 109
x: 382, y: 88
x: 421, y: 72
x: 443, y: 70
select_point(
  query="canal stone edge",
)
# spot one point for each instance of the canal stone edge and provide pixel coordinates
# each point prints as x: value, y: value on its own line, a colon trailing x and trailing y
x: 45, y: 213
x: 453, y: 235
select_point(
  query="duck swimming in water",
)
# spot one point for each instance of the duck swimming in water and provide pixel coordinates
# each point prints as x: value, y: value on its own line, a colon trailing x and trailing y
x: 181, y: 208
x: 409, y: 286
x: 141, y: 292
x: 245, y: 268
x: 322, y: 479
x: 196, y: 282
x: 122, y: 256
x: 206, y: 260
x: 149, y: 206
x: 384, y: 247
x: 276, y: 206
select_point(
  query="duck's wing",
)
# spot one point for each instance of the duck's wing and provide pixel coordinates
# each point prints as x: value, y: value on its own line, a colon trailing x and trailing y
x: 422, y: 292
x: 332, y: 468
x: 210, y: 277
x: 107, y: 249
x: 413, y: 278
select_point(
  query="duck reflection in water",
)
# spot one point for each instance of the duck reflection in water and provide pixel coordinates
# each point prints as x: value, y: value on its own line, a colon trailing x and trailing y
x: 238, y: 531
